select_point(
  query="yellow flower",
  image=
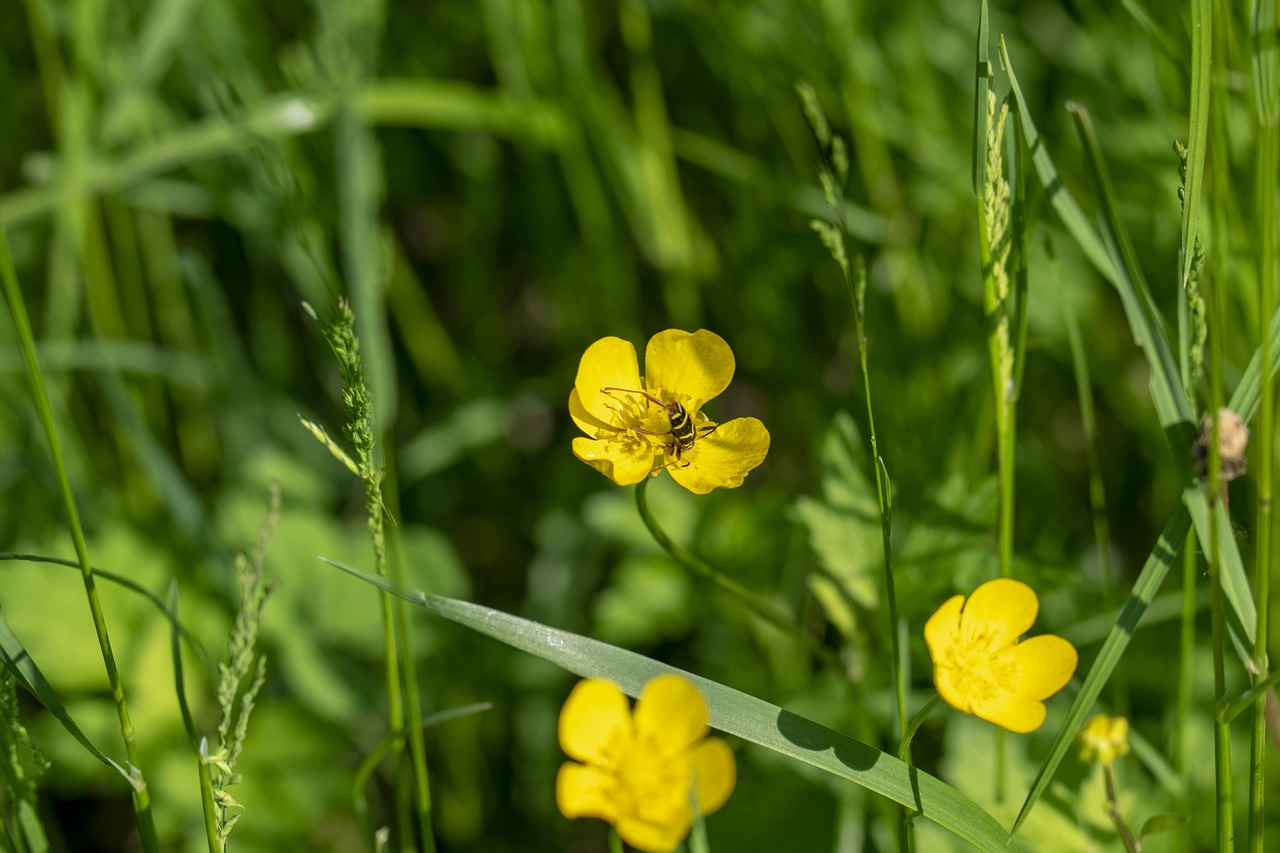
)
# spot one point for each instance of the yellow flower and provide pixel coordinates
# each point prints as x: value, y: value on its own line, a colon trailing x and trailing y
x: 635, y: 423
x: 637, y: 771
x: 1103, y: 739
x: 979, y: 666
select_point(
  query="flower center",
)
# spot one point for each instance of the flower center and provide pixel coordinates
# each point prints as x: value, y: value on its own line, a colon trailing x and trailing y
x: 980, y: 668
x: 650, y: 783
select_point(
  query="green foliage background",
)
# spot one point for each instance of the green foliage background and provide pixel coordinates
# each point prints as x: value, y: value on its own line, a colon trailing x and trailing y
x: 496, y: 185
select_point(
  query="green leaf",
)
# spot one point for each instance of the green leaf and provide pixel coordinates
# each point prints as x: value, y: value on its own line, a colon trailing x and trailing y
x: 1163, y: 823
x: 731, y: 711
x: 19, y: 661
x: 845, y: 527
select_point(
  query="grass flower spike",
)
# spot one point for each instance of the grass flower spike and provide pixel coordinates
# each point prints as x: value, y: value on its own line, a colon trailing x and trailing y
x: 637, y: 771
x: 639, y: 426
x: 979, y: 666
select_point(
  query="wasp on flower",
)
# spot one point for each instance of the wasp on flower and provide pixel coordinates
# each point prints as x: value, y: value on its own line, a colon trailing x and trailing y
x: 640, y: 426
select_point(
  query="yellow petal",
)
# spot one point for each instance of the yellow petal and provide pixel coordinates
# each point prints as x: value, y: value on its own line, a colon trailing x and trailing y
x: 608, y: 363
x: 953, y: 687
x: 1046, y: 664
x: 595, y: 722
x: 1002, y: 610
x: 654, y: 837
x: 586, y: 792
x: 723, y: 458
x: 1018, y: 714
x: 717, y: 772
x: 671, y: 715
x: 696, y: 366
x: 623, y: 458
x: 586, y: 421
x: 943, y: 627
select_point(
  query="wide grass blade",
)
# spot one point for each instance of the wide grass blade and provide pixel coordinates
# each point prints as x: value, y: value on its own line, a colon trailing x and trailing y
x: 23, y: 666
x: 731, y: 711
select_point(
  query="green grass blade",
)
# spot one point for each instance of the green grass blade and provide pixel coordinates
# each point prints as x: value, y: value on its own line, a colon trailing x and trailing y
x: 733, y: 712
x: 179, y: 681
x: 1144, y: 591
x: 31, y: 830
x: 1069, y: 211
x: 120, y: 580
x: 1248, y: 393
x: 1166, y: 384
x: 981, y: 88
x: 1170, y: 398
x: 23, y: 666
x: 1201, y: 44
x: 404, y: 103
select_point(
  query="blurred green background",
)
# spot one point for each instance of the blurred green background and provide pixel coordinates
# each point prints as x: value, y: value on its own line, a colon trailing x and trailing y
x: 496, y: 185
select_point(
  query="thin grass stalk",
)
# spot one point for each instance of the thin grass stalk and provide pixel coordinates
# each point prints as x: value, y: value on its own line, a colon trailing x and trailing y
x: 26, y: 342
x: 833, y: 176
x: 409, y: 669
x: 208, y: 807
x: 857, y: 289
x: 1265, y: 71
x: 884, y: 496
x: 994, y: 248
x: 1097, y: 495
x: 1217, y: 491
x: 1186, y: 656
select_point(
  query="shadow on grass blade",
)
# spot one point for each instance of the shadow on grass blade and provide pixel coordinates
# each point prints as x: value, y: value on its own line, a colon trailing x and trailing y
x: 731, y: 711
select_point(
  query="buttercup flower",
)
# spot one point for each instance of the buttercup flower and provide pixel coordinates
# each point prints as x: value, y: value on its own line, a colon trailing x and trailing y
x: 1103, y: 739
x: 639, y: 426
x: 979, y: 666
x: 637, y: 772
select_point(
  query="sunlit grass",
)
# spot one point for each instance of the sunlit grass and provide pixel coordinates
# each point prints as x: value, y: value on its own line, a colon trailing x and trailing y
x: 494, y: 186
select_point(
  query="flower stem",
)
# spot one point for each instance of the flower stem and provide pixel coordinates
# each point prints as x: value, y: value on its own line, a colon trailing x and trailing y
x: 1126, y: 837
x: 702, y: 569
x: 1268, y: 150
x: 615, y: 840
x: 904, y: 746
x: 26, y: 342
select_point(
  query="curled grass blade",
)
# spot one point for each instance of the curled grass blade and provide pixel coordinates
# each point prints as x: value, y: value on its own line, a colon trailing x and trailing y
x: 731, y: 711
x: 16, y: 657
x: 129, y: 584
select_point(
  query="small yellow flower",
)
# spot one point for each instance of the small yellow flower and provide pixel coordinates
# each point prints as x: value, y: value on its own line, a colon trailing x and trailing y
x: 631, y: 435
x: 1103, y: 739
x: 979, y: 666
x: 637, y: 772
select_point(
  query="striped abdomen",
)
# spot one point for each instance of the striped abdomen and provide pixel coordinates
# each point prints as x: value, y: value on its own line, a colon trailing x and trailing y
x: 682, y: 428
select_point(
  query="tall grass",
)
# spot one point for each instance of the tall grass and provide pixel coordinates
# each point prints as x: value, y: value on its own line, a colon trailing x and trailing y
x: 492, y: 187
